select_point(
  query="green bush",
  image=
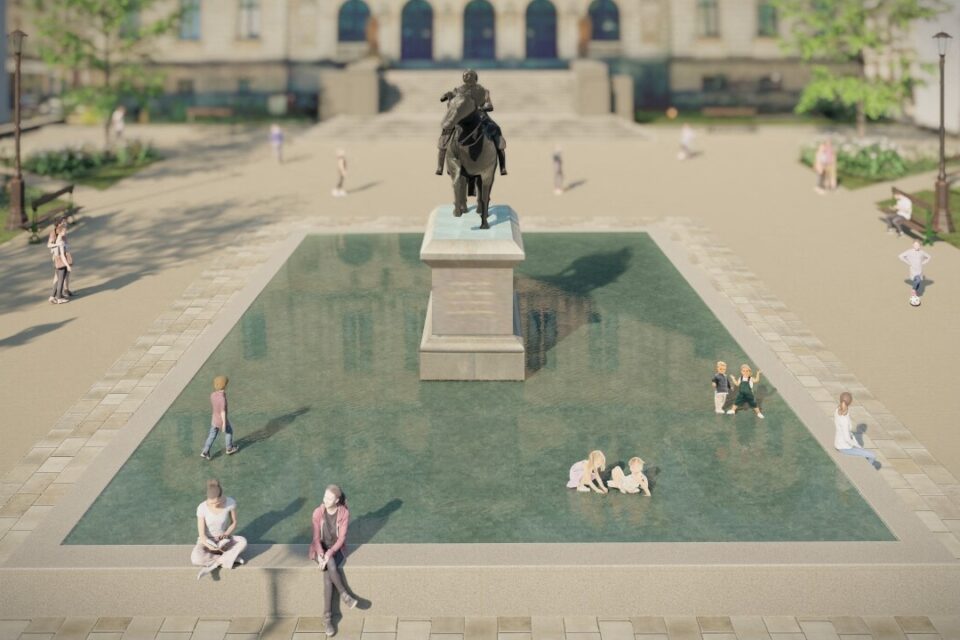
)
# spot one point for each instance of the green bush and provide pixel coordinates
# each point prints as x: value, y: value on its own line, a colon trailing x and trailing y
x: 73, y: 163
x: 875, y: 161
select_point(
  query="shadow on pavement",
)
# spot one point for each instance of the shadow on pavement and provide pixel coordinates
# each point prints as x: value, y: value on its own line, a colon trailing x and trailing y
x: 25, y: 336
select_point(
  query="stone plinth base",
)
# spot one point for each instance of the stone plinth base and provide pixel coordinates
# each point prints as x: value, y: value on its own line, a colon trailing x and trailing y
x: 472, y: 328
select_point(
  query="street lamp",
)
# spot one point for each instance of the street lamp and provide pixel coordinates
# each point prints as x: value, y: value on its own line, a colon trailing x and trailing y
x: 18, y: 214
x: 941, y: 217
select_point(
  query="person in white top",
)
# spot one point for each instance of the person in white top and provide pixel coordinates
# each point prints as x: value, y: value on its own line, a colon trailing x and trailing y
x: 902, y: 211
x: 633, y: 483
x: 216, y: 521
x: 915, y: 259
x: 118, y: 121
x: 686, y: 142
x: 843, y: 440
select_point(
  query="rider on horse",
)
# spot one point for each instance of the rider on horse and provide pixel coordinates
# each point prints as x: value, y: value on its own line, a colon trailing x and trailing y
x: 481, y: 98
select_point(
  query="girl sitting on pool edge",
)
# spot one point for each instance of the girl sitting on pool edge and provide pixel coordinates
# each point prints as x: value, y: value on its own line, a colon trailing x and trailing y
x: 633, y: 483
x: 585, y: 474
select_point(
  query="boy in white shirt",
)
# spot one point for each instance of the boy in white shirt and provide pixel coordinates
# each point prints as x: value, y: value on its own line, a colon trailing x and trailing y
x: 843, y: 439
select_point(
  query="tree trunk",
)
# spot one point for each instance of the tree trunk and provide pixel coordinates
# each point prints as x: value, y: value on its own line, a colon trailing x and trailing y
x: 861, y: 120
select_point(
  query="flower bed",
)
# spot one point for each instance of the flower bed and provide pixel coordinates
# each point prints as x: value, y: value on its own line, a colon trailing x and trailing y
x: 95, y: 167
x: 864, y: 162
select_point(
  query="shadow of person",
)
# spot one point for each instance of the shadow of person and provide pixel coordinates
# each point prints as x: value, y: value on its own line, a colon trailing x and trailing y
x: 272, y: 427
x: 364, y: 187
x: 364, y: 528
x: 594, y: 271
x: 255, y: 531
x: 576, y: 183
x: 30, y: 333
x: 652, y: 473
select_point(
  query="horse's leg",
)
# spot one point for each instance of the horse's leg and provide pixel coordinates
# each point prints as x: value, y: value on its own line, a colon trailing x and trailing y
x: 460, y: 195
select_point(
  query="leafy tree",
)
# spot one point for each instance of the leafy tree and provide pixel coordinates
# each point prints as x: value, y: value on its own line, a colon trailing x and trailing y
x: 107, y: 39
x: 866, y: 44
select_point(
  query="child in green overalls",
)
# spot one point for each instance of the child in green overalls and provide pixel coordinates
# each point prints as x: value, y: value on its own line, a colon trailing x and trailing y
x: 744, y: 386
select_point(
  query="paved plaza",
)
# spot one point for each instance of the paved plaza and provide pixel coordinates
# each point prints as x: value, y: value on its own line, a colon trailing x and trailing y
x: 165, y: 255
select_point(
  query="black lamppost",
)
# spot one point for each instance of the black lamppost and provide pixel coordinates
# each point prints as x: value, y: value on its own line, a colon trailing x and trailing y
x: 941, y: 217
x: 17, y: 215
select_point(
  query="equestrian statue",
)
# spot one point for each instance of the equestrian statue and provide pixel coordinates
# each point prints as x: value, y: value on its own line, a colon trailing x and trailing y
x: 472, y: 145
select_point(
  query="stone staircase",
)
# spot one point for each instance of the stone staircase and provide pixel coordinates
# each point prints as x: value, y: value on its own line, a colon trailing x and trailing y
x: 524, y: 91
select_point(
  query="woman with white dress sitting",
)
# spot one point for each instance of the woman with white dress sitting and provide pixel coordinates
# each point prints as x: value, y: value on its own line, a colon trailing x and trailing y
x: 216, y: 521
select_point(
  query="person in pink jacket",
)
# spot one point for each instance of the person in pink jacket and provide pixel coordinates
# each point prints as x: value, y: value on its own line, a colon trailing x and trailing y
x: 330, y: 522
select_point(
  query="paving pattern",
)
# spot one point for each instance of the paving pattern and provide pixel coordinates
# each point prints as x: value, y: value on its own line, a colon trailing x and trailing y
x: 489, y: 628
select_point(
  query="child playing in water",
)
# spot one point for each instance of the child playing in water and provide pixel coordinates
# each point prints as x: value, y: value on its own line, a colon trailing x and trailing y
x: 721, y: 387
x: 633, y: 483
x: 744, y: 386
x: 585, y: 474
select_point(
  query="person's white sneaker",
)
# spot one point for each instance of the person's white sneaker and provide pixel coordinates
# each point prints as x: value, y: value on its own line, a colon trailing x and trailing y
x: 759, y: 415
x: 731, y: 412
x: 719, y: 412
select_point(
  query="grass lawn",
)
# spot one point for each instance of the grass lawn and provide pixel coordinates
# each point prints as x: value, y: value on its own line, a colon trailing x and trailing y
x: 929, y: 196
x: 104, y: 177
x: 697, y: 118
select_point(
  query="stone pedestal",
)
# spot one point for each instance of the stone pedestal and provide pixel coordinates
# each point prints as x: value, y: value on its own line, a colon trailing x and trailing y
x: 472, y: 329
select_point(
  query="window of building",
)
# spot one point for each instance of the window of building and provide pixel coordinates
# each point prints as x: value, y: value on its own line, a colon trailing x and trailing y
x: 248, y: 26
x: 766, y: 19
x: 185, y: 87
x: 541, y: 29
x: 352, y: 21
x: 604, y: 20
x: 243, y: 85
x: 717, y: 82
x: 130, y: 27
x: 770, y: 83
x: 708, y: 18
x: 190, y: 19
x: 416, y: 31
x: 479, y: 23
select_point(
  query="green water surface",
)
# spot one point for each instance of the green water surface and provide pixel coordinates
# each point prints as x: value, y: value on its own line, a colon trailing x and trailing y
x: 620, y: 350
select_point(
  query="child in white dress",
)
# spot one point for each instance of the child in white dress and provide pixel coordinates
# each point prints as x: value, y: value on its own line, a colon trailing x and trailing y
x: 633, y: 483
x: 585, y: 474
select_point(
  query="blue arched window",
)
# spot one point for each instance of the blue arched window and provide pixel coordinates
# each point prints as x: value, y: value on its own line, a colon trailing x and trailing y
x: 352, y: 21
x: 541, y: 29
x: 479, y: 34
x: 605, y: 19
x: 416, y: 31
x: 190, y: 19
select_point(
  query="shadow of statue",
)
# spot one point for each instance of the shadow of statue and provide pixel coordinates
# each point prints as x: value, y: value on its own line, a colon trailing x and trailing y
x: 272, y: 427
x: 554, y: 306
x: 255, y: 531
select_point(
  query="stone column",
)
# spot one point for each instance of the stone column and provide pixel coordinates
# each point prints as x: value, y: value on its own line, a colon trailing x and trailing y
x: 472, y: 328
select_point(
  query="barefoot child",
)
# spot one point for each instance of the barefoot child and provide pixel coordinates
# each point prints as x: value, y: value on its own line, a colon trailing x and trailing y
x: 745, y: 395
x: 585, y: 474
x: 633, y: 483
x: 721, y: 387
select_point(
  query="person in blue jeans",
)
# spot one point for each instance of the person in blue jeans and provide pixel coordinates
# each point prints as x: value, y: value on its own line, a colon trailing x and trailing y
x: 219, y: 420
x: 844, y: 440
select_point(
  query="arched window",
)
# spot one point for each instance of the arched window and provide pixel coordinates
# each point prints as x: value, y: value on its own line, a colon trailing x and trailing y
x: 605, y: 18
x: 190, y: 19
x: 248, y: 20
x: 352, y: 21
x: 708, y: 19
x: 479, y: 31
x: 541, y: 29
x: 766, y: 19
x: 416, y: 31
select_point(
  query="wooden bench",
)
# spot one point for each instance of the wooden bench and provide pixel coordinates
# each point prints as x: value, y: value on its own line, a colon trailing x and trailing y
x: 919, y: 228
x: 729, y: 112
x: 208, y: 112
x: 37, y: 221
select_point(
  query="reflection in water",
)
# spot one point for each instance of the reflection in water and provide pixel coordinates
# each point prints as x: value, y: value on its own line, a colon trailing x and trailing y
x: 336, y: 398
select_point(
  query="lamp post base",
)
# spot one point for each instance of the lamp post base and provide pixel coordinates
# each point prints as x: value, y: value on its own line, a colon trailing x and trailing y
x: 942, y: 223
x: 18, y: 214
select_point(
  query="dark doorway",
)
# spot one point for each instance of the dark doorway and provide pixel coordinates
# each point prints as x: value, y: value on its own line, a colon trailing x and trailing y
x: 479, y: 31
x: 541, y: 29
x: 416, y: 31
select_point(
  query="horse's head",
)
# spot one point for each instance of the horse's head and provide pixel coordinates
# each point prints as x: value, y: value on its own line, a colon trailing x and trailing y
x: 460, y: 106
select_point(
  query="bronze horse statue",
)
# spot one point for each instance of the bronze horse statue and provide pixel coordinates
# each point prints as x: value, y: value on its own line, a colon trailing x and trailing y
x: 471, y: 156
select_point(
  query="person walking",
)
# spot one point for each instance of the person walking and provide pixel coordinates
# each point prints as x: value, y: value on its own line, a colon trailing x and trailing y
x: 915, y: 258
x: 216, y: 521
x: 557, y: 171
x: 338, y: 191
x: 62, y: 263
x: 843, y: 440
x: 118, y: 122
x: 825, y: 166
x: 686, y: 142
x: 219, y: 420
x: 276, y: 141
x: 330, y: 522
